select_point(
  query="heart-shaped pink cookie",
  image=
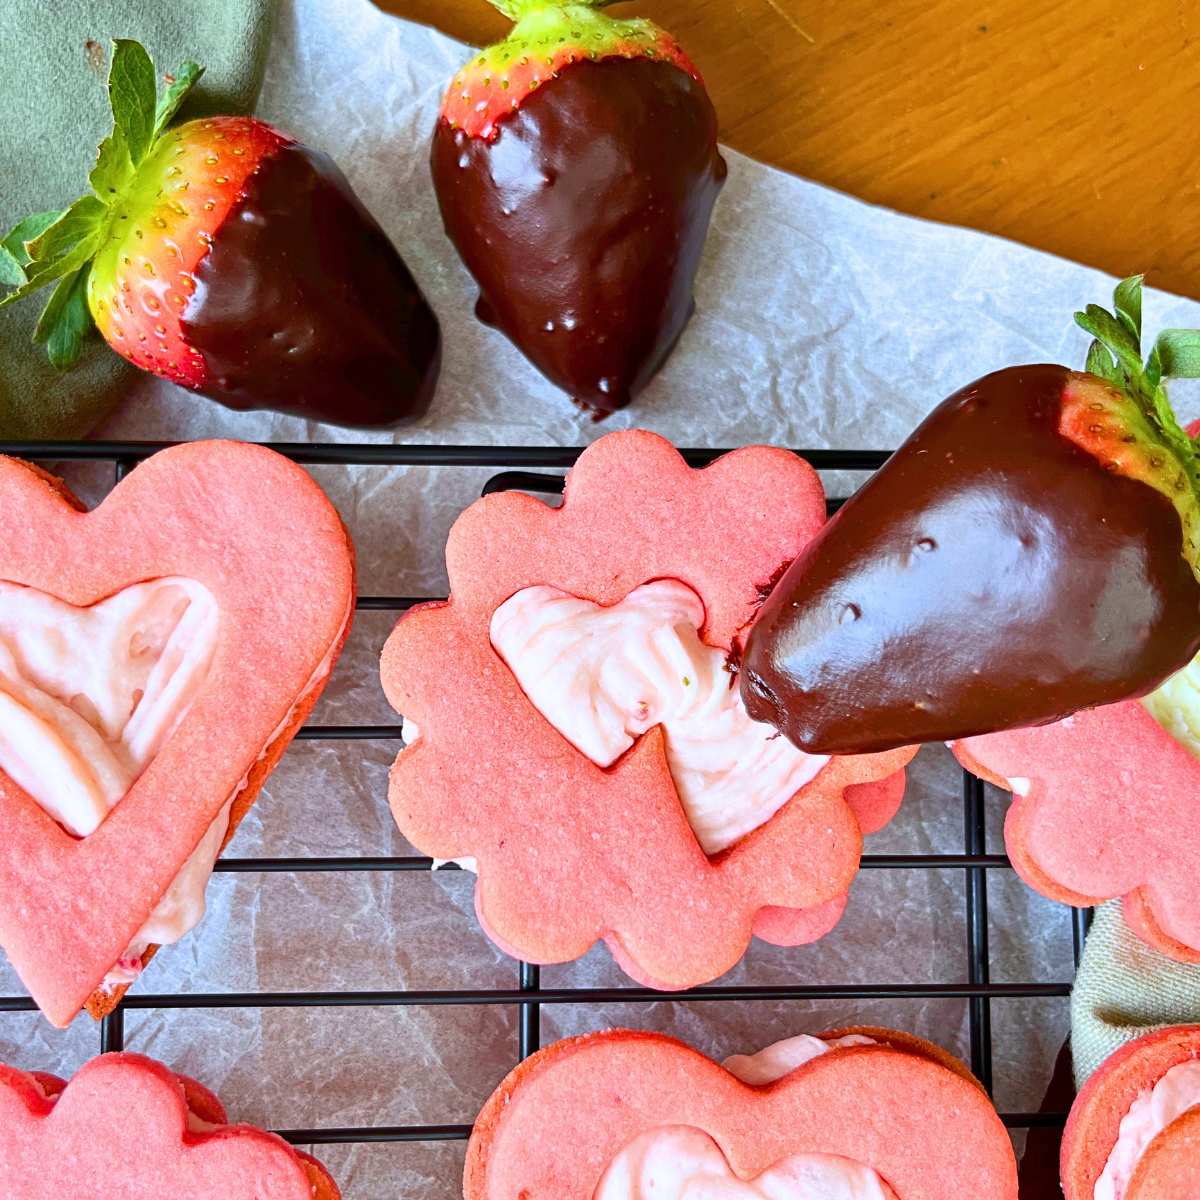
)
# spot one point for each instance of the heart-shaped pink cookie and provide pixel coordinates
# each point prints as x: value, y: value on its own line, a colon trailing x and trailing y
x: 216, y: 582
x: 630, y: 1116
x: 126, y: 1126
x: 570, y: 849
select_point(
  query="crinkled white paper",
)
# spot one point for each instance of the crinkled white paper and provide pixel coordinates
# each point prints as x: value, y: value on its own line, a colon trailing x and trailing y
x: 821, y: 321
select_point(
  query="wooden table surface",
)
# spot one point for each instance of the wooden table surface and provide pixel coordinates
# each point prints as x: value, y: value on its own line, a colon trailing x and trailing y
x: 1072, y: 126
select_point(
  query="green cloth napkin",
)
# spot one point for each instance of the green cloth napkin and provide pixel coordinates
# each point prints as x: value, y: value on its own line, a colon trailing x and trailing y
x: 1125, y: 990
x: 53, y: 114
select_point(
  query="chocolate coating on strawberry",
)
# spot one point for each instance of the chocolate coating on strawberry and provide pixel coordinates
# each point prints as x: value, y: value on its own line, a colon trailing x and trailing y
x: 994, y: 573
x: 277, y: 328
x: 576, y: 167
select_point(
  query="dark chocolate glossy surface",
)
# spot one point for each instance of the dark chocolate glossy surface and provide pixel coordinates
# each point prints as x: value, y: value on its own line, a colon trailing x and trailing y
x: 991, y: 575
x: 584, y: 220
x: 303, y: 305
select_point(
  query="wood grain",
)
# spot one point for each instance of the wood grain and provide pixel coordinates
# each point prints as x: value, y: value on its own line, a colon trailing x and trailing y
x: 1070, y: 126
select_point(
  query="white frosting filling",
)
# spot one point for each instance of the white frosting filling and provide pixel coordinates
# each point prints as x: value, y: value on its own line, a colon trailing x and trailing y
x: 183, y: 905
x: 1153, y: 1110
x: 681, y: 1163
x: 1175, y: 705
x: 466, y: 863
x: 782, y: 1058
x: 604, y: 676
x: 678, y: 1162
x: 89, y: 695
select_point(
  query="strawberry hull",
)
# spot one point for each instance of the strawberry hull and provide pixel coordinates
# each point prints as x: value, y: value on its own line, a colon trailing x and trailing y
x: 583, y: 219
x: 993, y: 574
x: 302, y: 305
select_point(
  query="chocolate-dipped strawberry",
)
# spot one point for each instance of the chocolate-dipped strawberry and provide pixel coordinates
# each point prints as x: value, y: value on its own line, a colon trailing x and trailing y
x: 1031, y: 550
x: 576, y: 166
x: 229, y: 259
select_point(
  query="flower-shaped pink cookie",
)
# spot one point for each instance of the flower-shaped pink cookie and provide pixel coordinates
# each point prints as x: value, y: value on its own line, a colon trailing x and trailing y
x: 1105, y: 804
x: 126, y: 1126
x: 574, y: 713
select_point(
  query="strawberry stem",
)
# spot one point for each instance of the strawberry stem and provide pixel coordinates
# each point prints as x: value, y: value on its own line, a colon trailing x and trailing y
x: 514, y: 10
x: 1115, y: 355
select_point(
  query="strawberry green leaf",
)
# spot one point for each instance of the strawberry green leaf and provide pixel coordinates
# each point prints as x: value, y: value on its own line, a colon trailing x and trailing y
x: 133, y: 92
x: 1100, y: 362
x: 1178, y: 351
x: 65, y: 321
x: 177, y: 91
x: 1152, y: 372
x: 1170, y: 462
x: 12, y: 274
x: 26, y: 231
x: 14, y: 258
x: 1127, y: 299
x: 1114, y: 335
x: 81, y: 221
x: 41, y: 273
x: 114, y: 167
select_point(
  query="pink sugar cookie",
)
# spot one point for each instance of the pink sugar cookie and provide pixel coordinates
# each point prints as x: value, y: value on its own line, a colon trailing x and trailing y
x: 1113, y: 1146
x: 126, y: 1126
x: 569, y: 852
x: 1105, y: 805
x: 255, y: 531
x: 901, y: 1108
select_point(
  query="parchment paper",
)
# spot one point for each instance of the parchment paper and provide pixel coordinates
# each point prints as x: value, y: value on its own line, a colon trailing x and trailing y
x: 821, y: 322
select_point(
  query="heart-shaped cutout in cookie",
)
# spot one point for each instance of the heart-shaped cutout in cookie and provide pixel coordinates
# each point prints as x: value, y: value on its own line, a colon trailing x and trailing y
x: 89, y: 695
x: 604, y: 676
x: 250, y: 531
x: 684, y: 1163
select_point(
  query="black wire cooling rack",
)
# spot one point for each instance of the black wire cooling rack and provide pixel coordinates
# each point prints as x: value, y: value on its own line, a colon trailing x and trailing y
x: 518, y: 468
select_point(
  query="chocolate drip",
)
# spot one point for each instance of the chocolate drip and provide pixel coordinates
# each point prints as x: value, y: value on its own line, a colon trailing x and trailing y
x: 303, y: 305
x: 584, y: 220
x: 991, y: 575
